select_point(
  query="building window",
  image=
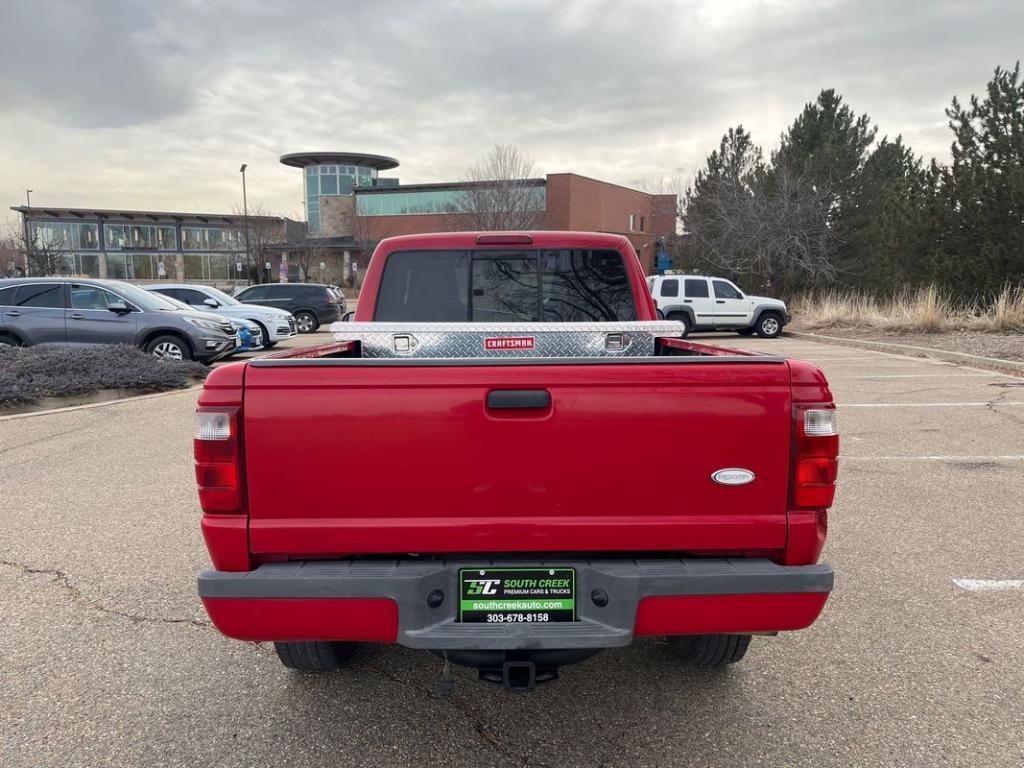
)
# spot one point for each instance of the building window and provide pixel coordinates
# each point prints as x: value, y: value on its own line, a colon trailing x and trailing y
x: 194, y: 239
x: 160, y: 238
x: 79, y: 265
x: 632, y: 222
x: 210, y: 239
x: 643, y: 223
x: 208, y: 266
x: 432, y: 201
x: 328, y: 185
x: 64, y: 235
x: 117, y: 268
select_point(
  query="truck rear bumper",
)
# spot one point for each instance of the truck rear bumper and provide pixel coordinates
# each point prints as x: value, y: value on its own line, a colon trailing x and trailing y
x: 386, y: 601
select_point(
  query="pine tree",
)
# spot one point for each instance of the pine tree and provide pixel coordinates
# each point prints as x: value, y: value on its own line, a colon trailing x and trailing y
x: 884, y: 219
x: 826, y: 146
x: 981, y: 240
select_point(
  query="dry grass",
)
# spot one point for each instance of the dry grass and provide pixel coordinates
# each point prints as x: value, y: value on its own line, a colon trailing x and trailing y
x: 926, y: 310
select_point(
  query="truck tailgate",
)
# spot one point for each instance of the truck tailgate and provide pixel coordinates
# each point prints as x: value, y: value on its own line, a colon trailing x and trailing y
x: 359, y: 456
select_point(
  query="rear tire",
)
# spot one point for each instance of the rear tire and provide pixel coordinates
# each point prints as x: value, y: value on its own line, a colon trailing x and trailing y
x: 306, y: 322
x: 769, y: 325
x: 314, y: 656
x: 168, y: 347
x: 709, y: 650
x: 683, y: 318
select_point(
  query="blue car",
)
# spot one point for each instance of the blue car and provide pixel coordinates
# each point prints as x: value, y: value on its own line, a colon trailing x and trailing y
x: 250, y: 335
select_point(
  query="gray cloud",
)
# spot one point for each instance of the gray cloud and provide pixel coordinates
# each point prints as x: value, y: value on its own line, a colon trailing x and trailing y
x: 137, y: 103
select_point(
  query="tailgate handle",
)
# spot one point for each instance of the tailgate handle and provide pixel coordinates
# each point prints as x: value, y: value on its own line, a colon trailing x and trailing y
x: 518, y: 398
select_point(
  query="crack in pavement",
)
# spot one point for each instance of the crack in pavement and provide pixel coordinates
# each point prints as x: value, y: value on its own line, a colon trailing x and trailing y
x: 500, y: 746
x: 996, y: 401
x: 45, y: 438
x: 64, y: 581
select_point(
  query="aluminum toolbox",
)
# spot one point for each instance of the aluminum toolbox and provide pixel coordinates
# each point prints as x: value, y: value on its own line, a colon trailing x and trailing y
x: 505, y: 340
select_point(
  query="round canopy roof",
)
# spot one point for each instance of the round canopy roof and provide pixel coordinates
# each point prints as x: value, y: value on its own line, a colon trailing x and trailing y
x: 302, y: 159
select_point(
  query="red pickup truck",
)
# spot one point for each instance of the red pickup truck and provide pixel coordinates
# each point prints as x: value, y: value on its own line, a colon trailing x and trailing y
x: 508, y: 460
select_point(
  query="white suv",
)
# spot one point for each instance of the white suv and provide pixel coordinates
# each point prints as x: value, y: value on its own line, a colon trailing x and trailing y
x: 716, y: 304
x: 276, y: 324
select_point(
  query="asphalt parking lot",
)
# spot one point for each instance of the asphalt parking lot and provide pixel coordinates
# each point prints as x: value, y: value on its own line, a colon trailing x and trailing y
x: 107, y: 658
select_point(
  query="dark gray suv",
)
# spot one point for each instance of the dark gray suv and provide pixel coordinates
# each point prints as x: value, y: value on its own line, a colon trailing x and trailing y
x: 72, y: 312
x: 312, y: 304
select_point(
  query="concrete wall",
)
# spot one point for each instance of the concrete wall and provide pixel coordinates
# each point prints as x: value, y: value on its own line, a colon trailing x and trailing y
x: 337, y: 216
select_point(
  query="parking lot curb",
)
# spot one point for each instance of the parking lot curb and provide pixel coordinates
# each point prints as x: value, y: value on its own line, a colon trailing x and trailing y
x: 86, y: 406
x: 908, y: 350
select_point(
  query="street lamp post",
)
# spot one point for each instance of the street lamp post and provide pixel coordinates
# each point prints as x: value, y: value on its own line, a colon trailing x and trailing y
x: 28, y: 214
x: 245, y: 217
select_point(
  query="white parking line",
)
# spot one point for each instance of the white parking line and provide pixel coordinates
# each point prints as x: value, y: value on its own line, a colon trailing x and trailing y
x: 928, y: 405
x: 1009, y: 457
x: 989, y: 585
x: 951, y: 374
x: 809, y: 358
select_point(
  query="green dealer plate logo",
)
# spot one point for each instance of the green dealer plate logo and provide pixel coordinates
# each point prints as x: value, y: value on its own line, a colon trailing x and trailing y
x: 517, y: 595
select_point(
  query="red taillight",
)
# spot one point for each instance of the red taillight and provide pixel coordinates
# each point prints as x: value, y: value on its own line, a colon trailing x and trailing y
x: 218, y: 463
x: 509, y: 239
x: 817, y: 456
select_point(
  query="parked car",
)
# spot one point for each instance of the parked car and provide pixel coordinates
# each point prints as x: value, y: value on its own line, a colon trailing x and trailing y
x: 716, y: 304
x: 72, y: 312
x: 250, y: 336
x: 525, y: 525
x: 276, y: 324
x: 312, y: 304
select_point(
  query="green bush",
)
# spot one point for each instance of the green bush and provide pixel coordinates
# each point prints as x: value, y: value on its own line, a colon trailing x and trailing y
x: 30, y: 373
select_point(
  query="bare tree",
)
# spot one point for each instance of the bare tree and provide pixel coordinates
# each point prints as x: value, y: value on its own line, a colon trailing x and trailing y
x: 306, y: 258
x: 669, y: 191
x: 365, y: 242
x: 43, y: 251
x: 12, y: 253
x: 265, y: 229
x: 500, y: 193
x: 772, y: 225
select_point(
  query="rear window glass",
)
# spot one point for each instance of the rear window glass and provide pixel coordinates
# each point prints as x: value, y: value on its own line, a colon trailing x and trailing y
x: 697, y: 289
x: 46, y: 295
x: 558, y: 285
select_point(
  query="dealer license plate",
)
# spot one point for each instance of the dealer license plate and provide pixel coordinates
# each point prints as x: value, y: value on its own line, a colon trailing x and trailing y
x: 517, y: 595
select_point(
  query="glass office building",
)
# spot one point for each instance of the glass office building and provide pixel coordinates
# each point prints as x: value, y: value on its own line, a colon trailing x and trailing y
x: 141, y: 245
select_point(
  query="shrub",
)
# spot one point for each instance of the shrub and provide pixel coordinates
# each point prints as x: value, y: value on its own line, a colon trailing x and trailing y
x: 30, y: 373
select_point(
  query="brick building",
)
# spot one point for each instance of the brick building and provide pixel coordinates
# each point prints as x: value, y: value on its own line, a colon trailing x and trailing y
x: 350, y: 207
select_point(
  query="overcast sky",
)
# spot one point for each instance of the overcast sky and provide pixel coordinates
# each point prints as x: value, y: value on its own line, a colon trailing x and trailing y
x: 114, y: 103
